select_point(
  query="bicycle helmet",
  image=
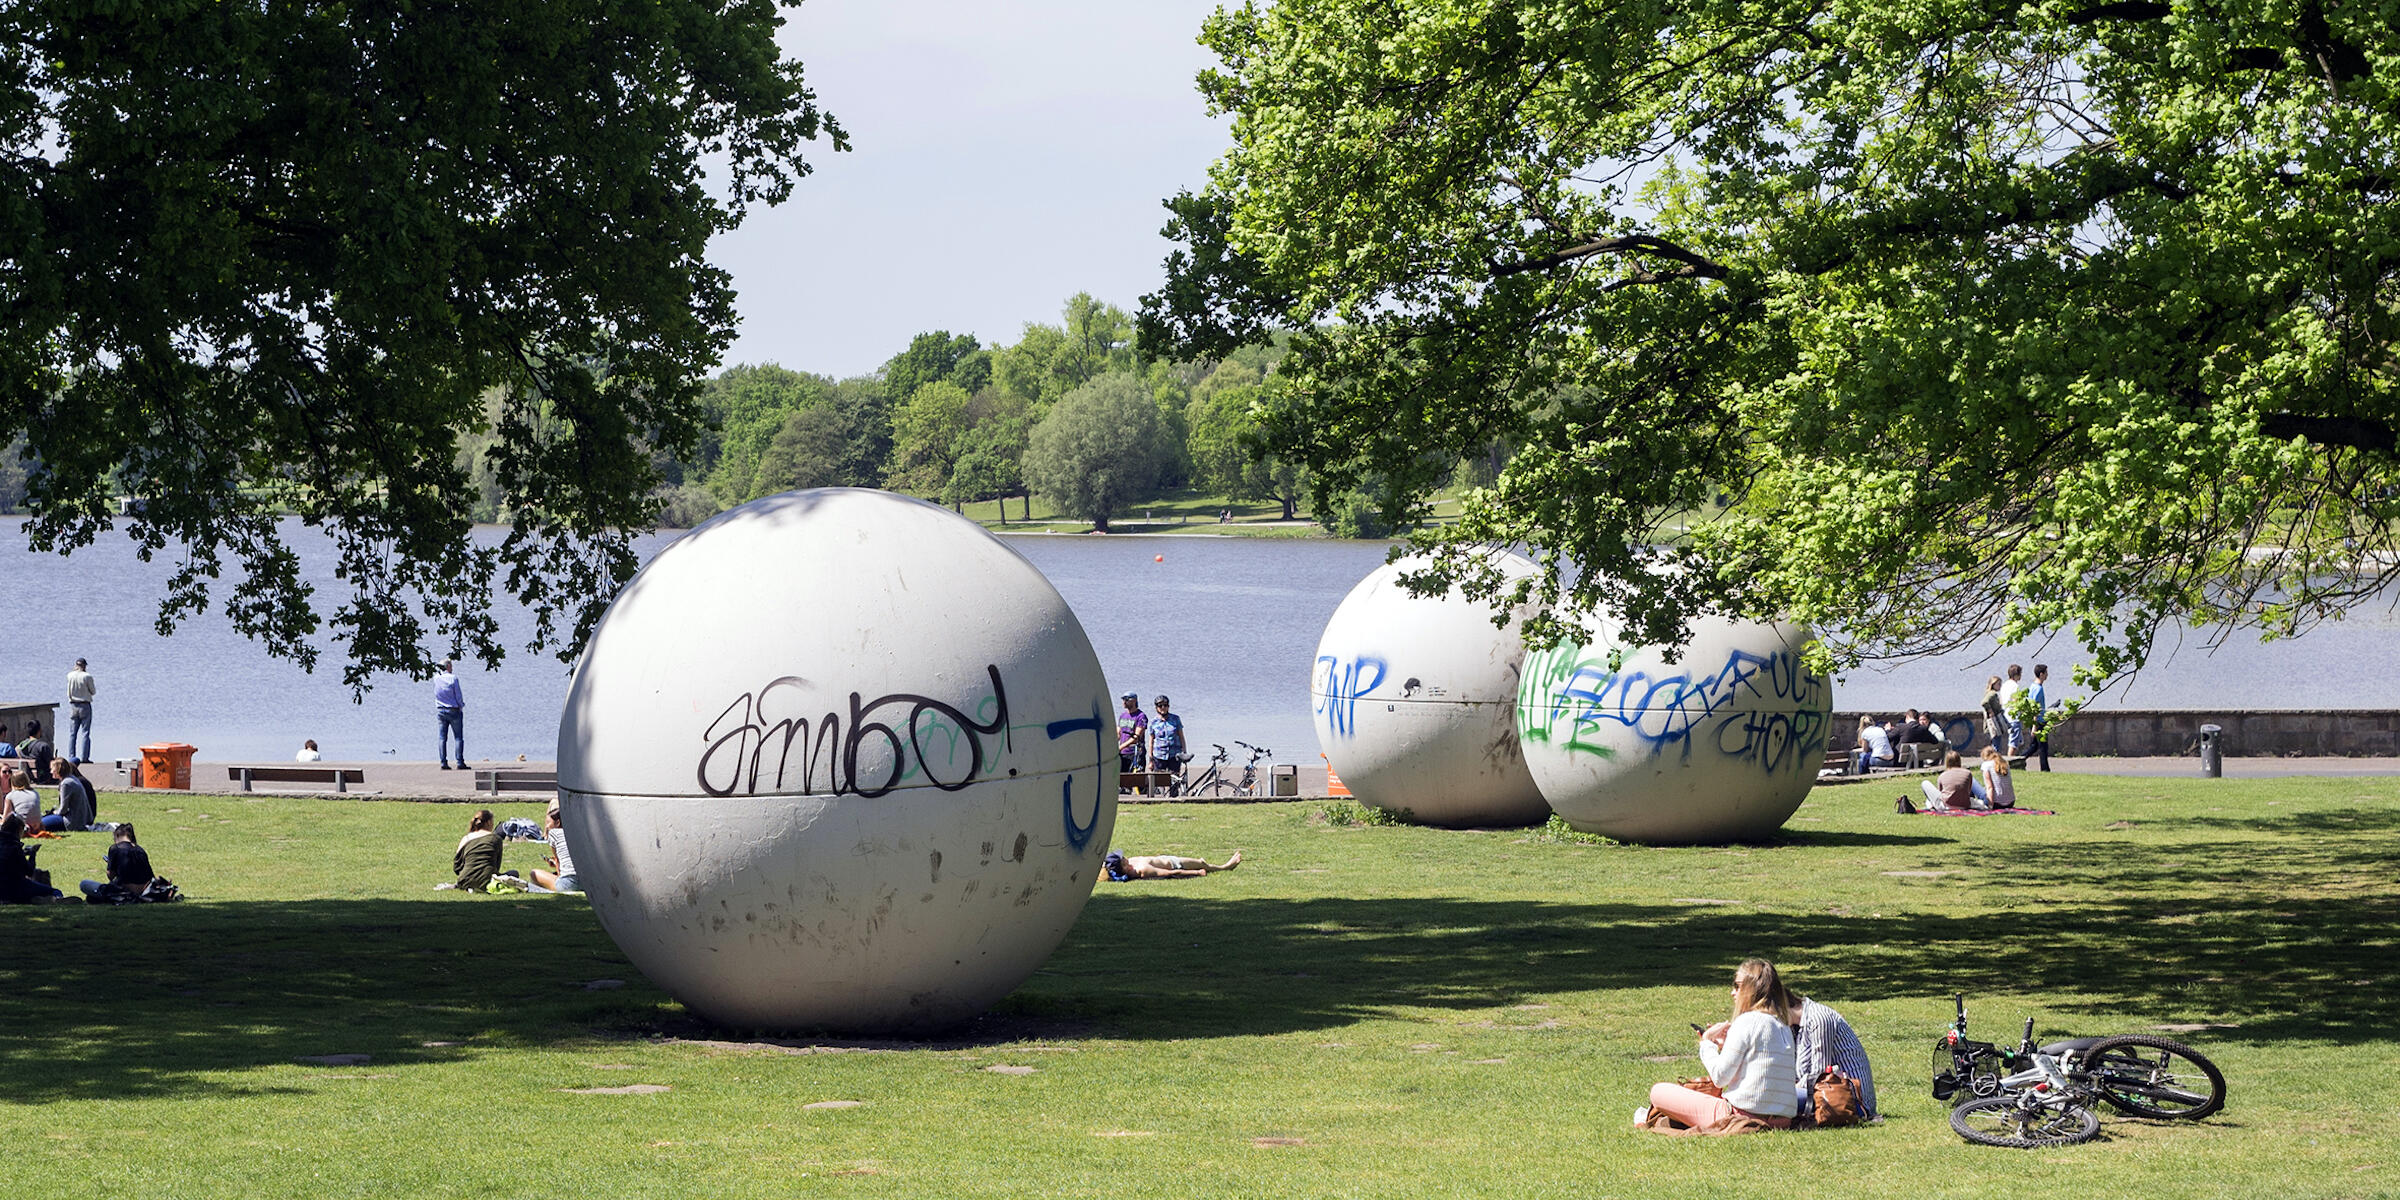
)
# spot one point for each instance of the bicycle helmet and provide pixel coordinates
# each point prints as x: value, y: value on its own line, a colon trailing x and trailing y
x: 1161, y: 700
x: 1135, y: 696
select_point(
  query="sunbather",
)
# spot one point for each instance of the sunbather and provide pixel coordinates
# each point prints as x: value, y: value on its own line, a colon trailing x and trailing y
x: 1123, y: 867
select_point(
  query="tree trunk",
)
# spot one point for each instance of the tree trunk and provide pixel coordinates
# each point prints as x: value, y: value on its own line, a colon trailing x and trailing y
x: 1027, y: 496
x: 1002, y: 505
x: 1100, y: 523
x: 1287, y: 507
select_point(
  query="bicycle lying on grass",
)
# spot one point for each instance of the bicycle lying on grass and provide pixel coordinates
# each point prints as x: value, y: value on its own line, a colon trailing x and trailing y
x: 2043, y: 1096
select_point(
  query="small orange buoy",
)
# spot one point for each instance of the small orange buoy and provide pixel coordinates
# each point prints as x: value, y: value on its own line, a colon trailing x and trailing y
x: 1158, y: 558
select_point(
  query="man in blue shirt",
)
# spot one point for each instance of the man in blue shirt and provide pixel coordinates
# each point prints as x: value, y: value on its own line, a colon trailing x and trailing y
x: 1166, y: 739
x: 450, y: 710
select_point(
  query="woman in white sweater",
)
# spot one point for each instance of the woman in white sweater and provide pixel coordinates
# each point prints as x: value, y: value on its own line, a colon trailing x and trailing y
x: 1750, y: 1056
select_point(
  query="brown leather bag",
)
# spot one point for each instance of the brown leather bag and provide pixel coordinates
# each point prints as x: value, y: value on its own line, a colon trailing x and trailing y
x: 1703, y: 1085
x: 1838, y: 1099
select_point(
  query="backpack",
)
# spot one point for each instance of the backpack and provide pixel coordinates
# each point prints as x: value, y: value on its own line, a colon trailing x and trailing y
x: 1838, y: 1099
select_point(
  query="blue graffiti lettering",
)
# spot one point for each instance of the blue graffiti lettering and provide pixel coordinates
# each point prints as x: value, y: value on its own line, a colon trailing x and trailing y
x: 1337, y: 697
x: 1568, y: 694
x: 1080, y: 836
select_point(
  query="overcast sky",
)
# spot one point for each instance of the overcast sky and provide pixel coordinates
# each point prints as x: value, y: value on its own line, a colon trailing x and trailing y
x: 1006, y: 156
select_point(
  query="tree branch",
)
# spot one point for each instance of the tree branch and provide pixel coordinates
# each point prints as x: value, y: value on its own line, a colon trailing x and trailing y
x: 1694, y: 265
x: 2119, y: 10
x: 2355, y: 432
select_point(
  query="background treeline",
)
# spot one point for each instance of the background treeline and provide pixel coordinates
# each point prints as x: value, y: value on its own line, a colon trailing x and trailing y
x: 1068, y: 411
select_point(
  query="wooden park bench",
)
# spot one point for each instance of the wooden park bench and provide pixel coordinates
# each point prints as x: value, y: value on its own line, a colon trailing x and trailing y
x: 1147, y: 783
x: 340, y: 777
x: 1922, y: 754
x: 515, y: 779
x: 1837, y: 762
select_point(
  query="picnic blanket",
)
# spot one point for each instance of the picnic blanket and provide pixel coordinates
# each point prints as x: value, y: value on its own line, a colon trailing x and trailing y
x: 1986, y: 812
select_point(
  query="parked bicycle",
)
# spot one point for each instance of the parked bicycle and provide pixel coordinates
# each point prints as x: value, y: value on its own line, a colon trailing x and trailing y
x: 1212, y: 779
x: 2043, y: 1096
x: 1247, y: 785
x: 1215, y: 781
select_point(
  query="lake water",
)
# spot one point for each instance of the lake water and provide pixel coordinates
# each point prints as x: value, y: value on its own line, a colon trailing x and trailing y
x: 1227, y: 626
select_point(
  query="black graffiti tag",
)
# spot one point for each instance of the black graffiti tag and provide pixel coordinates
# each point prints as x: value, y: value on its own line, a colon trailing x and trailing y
x: 750, y: 733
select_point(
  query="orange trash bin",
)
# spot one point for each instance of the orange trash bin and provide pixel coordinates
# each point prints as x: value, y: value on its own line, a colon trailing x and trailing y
x: 167, y: 765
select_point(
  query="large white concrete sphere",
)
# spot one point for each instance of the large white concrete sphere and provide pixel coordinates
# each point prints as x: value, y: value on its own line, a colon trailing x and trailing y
x: 838, y: 760
x: 1414, y: 699
x: 1722, y: 746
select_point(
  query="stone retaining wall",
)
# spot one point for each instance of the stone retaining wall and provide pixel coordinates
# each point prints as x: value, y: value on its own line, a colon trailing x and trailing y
x: 2139, y: 733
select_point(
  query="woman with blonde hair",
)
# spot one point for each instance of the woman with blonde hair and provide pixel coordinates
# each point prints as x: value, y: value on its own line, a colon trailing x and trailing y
x: 1750, y: 1057
x: 1998, y: 790
x: 1995, y: 714
x: 1874, y: 745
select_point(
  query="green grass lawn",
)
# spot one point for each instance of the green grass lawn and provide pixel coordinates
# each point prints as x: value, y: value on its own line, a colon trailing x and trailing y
x: 1378, y: 1011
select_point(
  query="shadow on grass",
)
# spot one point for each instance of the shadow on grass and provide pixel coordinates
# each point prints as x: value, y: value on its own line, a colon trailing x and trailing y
x: 1167, y: 966
x: 179, y: 1000
x: 1802, y: 837
x: 145, y: 1000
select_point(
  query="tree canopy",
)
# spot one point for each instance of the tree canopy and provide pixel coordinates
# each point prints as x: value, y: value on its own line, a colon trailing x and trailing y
x: 2013, y: 315
x: 1100, y: 447
x: 271, y: 258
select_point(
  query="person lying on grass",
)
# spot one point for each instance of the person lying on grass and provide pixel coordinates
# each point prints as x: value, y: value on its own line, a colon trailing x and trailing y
x: 1123, y: 867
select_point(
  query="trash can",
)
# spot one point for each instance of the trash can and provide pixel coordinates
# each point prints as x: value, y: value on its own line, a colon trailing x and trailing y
x: 1287, y: 780
x: 2212, y: 751
x: 167, y: 765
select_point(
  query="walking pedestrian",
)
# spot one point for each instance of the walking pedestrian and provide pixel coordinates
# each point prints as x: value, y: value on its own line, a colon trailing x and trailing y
x: 2041, y: 715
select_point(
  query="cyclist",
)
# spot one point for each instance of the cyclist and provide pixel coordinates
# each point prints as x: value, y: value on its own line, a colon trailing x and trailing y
x: 1132, y: 726
x: 1167, y: 751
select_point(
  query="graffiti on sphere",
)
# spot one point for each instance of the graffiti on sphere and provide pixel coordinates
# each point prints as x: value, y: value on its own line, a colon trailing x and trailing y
x: 1573, y: 699
x: 1339, y: 685
x: 766, y: 736
x: 1080, y: 835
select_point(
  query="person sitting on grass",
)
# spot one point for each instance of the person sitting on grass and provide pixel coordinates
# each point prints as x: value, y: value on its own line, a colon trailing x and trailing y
x: 25, y: 804
x: 1995, y: 789
x: 478, y: 856
x: 1954, y: 787
x: 77, y: 807
x: 128, y: 864
x: 18, y: 884
x: 1751, y: 1058
x: 1823, y: 1039
x: 1122, y: 868
x: 560, y: 877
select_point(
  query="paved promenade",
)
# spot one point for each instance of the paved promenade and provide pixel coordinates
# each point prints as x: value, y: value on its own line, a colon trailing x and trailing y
x: 389, y: 779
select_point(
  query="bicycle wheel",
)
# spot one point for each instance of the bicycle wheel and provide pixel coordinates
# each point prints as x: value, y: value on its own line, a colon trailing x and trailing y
x: 2153, y: 1077
x: 1960, y: 1075
x: 2018, y: 1122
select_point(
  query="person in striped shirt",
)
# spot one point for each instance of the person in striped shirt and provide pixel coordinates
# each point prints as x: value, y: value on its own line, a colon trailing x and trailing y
x: 1824, y: 1040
